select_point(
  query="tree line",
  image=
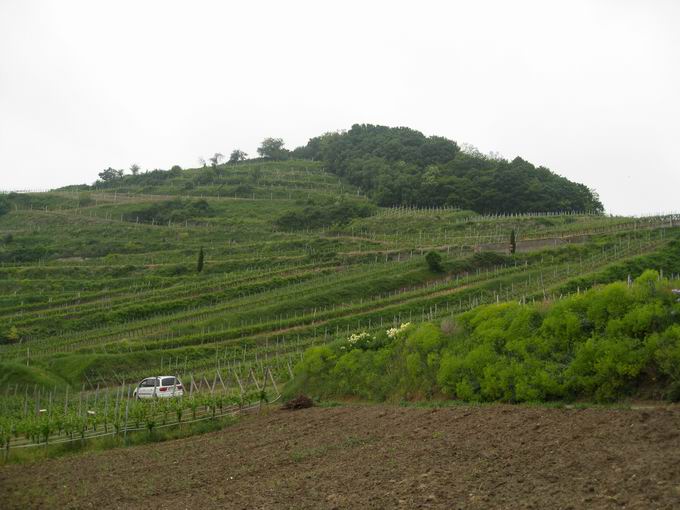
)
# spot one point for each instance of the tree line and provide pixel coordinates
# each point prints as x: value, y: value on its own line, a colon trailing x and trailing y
x: 402, y: 166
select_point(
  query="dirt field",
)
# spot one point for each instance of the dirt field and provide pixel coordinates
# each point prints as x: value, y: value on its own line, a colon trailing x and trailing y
x: 380, y: 457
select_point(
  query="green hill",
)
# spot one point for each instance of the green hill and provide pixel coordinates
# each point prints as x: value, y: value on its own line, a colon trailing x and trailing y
x: 392, y: 166
x: 401, y: 166
x: 100, y: 284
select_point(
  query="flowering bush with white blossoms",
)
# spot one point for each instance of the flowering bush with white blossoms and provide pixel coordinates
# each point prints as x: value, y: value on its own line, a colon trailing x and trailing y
x: 395, y: 332
x: 359, y: 338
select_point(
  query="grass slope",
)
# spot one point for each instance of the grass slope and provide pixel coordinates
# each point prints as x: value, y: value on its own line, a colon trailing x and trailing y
x: 98, y: 286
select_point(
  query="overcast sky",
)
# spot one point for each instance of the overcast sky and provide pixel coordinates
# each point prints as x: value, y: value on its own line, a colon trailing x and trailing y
x: 590, y: 89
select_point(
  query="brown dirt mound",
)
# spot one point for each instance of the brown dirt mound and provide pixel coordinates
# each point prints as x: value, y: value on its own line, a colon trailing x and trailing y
x: 380, y: 457
x: 299, y: 402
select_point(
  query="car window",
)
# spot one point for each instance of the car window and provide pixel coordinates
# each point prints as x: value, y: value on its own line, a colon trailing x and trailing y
x: 167, y: 381
x: 149, y: 383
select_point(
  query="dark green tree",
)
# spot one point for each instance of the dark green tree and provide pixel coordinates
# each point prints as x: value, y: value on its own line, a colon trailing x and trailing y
x: 110, y: 175
x: 199, y: 265
x: 513, y: 241
x: 434, y: 262
x: 402, y: 166
x: 216, y: 159
x: 134, y: 169
x: 272, y: 148
x: 237, y: 155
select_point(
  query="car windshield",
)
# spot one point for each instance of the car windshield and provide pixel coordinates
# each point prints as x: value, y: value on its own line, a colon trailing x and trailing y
x: 168, y: 381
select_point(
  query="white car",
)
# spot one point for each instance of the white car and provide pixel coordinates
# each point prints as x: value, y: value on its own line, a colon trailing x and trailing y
x: 162, y: 386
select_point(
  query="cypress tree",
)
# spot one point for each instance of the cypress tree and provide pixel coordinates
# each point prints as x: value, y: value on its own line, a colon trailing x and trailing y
x: 199, y: 266
x: 513, y: 241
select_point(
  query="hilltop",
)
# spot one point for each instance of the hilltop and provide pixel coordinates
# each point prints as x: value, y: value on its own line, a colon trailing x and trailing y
x: 392, y: 166
x: 401, y: 166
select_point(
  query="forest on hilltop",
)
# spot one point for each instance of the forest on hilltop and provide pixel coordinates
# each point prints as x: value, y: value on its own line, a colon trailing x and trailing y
x: 393, y: 166
x: 401, y: 166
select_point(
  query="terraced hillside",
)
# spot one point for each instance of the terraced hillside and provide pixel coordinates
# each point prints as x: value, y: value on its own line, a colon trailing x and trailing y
x: 99, y: 286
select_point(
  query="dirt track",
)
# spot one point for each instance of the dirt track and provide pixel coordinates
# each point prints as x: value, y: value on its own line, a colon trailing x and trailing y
x: 380, y: 457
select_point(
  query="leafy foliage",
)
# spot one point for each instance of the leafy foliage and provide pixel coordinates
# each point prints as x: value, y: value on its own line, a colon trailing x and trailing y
x: 403, y: 166
x: 605, y: 344
x: 434, y: 262
x: 272, y: 148
x: 237, y: 156
x: 110, y: 175
x: 315, y: 215
x: 173, y: 210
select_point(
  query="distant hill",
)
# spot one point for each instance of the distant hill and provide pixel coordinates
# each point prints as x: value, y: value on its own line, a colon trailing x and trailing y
x: 401, y: 166
x: 392, y: 166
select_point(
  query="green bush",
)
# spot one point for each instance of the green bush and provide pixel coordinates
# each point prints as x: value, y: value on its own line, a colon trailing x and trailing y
x: 664, y: 349
x: 324, y: 215
x: 604, y: 344
x: 176, y: 210
x: 434, y: 262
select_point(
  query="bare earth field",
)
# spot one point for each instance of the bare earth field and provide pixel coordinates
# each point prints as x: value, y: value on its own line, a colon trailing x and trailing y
x: 380, y: 457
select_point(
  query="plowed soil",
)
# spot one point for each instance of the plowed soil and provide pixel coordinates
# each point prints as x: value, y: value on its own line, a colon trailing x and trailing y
x: 380, y: 457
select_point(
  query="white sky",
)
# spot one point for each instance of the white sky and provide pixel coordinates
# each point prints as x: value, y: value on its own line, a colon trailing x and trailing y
x: 590, y: 89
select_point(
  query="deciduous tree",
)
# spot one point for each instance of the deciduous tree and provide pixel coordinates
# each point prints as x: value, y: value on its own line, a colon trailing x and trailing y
x: 237, y: 155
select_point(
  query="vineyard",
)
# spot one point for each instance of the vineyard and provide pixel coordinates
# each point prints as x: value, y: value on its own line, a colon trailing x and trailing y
x: 100, y: 287
x: 44, y: 418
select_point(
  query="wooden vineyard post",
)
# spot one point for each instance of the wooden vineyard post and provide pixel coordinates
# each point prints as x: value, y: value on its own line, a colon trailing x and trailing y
x: 116, y: 410
x: 191, y: 385
x: 252, y: 375
x: 224, y: 386
x: 25, y: 402
x: 271, y: 377
x: 127, y: 409
x: 106, y: 412
x: 263, y: 394
x: 80, y: 402
x: 66, y: 402
x: 238, y: 380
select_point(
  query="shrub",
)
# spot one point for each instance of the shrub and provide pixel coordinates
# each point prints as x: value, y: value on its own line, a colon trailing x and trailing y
x: 604, y: 344
x: 664, y: 349
x: 434, y: 262
x: 84, y: 199
x: 9, y: 335
x: 322, y: 215
x: 176, y: 210
x: 313, y: 372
